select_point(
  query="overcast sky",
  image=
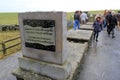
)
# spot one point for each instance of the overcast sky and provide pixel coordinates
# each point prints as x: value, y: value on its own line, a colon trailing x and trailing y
x: 57, y: 5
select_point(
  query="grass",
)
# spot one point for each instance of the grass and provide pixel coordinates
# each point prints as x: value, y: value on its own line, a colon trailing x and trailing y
x: 8, y: 18
x: 6, y: 36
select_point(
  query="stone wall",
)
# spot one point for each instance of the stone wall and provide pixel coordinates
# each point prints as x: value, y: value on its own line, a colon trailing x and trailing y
x: 9, y: 27
x: 91, y: 17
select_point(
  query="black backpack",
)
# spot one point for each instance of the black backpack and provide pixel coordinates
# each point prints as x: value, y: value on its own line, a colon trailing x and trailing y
x: 109, y: 18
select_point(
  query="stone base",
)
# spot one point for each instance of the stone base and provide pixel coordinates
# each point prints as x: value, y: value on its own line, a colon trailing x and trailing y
x: 37, y: 70
x: 59, y: 72
x: 26, y: 75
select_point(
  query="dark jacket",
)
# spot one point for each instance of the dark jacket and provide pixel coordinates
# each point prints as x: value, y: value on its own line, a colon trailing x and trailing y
x: 76, y: 16
x: 118, y: 17
x: 97, y: 25
x: 111, y: 20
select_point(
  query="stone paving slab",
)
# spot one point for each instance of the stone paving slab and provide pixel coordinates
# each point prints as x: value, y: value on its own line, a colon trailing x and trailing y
x: 81, y: 35
x: 89, y: 23
x: 76, y: 54
x: 86, y: 27
x: 7, y: 65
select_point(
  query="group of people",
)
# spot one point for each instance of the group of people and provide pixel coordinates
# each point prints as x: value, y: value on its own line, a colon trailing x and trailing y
x: 109, y: 19
x: 79, y: 18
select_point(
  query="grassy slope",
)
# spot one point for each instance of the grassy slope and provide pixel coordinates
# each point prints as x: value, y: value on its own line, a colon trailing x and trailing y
x: 8, y: 18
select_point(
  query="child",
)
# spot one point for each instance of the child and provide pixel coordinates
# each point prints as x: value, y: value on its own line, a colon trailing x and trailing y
x: 97, y: 27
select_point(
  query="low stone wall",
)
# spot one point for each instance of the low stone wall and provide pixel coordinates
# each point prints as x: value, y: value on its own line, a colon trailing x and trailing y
x: 91, y: 17
x: 9, y: 27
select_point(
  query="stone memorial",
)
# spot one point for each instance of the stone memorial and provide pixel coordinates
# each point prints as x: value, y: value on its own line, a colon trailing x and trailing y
x: 44, y: 47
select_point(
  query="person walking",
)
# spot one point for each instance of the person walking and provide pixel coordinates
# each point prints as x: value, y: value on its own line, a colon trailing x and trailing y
x: 104, y: 22
x: 83, y: 17
x: 76, y: 20
x: 97, y: 27
x: 111, y: 23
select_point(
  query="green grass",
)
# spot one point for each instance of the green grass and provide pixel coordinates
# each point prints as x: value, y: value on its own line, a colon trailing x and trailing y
x: 99, y: 11
x: 8, y: 18
x: 70, y: 15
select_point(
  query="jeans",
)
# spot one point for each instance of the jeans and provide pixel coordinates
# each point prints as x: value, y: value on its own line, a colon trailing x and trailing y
x: 96, y: 34
x: 76, y: 24
x: 104, y: 23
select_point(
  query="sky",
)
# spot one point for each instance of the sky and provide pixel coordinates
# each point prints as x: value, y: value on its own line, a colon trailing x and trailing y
x: 57, y: 5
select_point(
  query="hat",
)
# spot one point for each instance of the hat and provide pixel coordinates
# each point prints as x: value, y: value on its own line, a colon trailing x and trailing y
x: 98, y: 17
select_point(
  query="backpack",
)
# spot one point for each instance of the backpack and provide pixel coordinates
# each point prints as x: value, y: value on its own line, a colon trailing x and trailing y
x: 109, y: 18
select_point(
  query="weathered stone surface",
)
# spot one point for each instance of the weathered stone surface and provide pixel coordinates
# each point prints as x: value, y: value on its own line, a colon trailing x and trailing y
x: 86, y: 27
x: 89, y: 23
x: 76, y: 54
x: 26, y: 75
x: 59, y: 72
x: 32, y: 25
x: 81, y: 35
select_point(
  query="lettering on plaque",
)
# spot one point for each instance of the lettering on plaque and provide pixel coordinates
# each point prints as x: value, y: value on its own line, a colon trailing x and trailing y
x: 39, y: 34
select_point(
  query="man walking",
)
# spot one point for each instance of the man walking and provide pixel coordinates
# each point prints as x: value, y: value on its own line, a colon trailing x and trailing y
x: 111, y: 23
x: 77, y: 20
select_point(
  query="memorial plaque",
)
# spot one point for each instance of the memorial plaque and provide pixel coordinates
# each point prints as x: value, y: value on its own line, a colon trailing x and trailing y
x: 39, y: 34
x: 43, y: 36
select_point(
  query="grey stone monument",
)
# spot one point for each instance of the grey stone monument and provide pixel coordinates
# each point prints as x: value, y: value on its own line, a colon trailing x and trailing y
x: 44, y: 47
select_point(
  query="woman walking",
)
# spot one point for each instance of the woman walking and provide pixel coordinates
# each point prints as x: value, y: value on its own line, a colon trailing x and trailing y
x: 97, y: 27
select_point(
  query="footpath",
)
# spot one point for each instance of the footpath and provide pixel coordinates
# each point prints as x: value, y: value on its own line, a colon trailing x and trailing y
x: 7, y: 65
x: 103, y: 59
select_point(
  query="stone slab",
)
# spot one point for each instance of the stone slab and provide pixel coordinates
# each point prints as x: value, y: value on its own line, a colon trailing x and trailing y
x: 59, y: 72
x: 76, y: 56
x: 76, y: 52
x: 26, y: 75
x: 89, y: 23
x: 86, y: 27
x: 43, y: 36
x: 81, y: 35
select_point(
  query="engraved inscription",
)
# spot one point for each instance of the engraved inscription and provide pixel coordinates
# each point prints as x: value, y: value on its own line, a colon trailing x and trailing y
x: 39, y: 34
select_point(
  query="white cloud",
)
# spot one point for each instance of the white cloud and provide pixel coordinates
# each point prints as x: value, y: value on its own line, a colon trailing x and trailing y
x: 57, y: 5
